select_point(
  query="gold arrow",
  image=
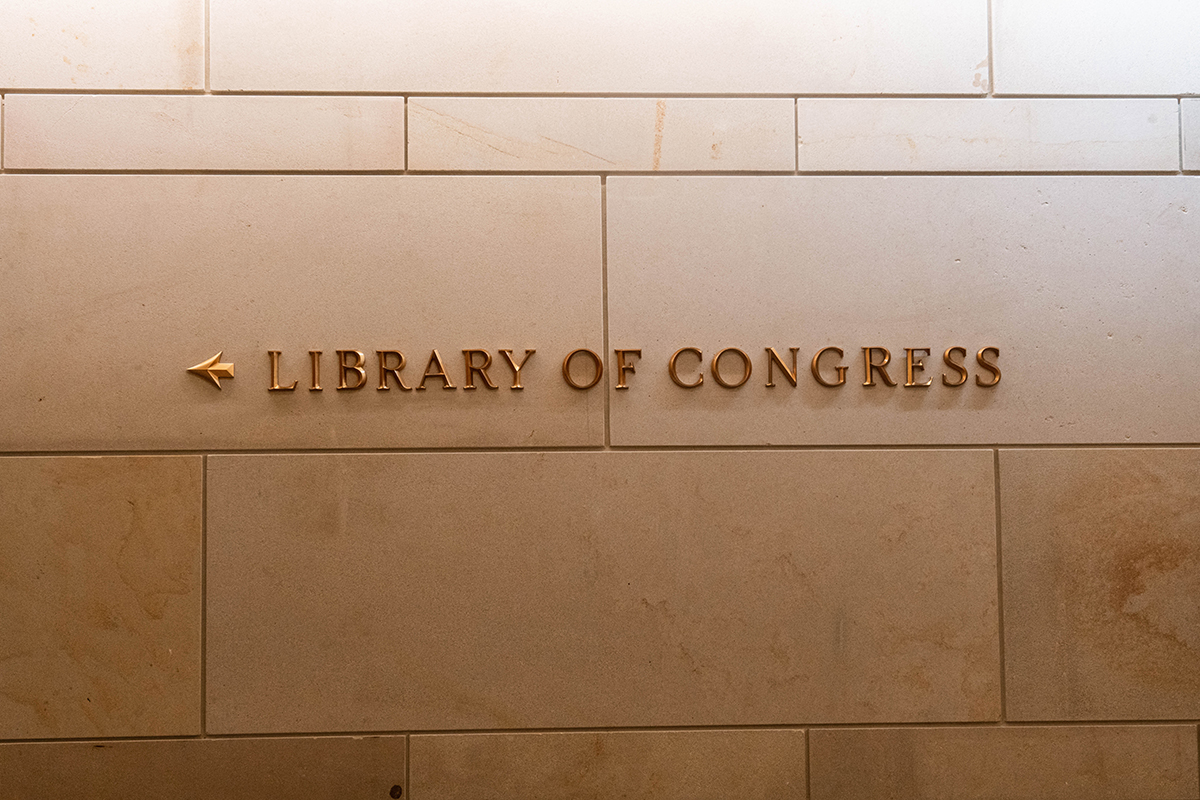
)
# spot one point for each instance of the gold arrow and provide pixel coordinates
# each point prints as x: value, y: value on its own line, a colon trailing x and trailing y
x: 213, y: 369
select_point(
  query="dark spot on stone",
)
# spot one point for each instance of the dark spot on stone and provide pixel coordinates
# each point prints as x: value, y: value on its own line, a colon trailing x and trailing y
x: 396, y: 791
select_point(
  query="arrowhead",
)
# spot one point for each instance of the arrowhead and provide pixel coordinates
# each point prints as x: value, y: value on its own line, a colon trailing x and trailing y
x: 213, y: 369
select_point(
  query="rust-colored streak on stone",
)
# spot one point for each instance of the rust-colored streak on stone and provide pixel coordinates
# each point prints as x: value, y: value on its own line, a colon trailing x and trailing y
x: 660, y: 118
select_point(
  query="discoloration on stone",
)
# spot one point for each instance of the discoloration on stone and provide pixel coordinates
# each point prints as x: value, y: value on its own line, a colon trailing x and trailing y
x: 660, y: 121
x: 99, y: 596
x: 1007, y: 763
x: 642, y: 589
x: 1102, y: 572
x: 324, y: 768
x: 663, y: 765
x: 611, y: 134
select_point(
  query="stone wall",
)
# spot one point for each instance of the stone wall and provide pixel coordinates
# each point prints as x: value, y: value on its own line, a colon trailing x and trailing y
x: 599, y: 399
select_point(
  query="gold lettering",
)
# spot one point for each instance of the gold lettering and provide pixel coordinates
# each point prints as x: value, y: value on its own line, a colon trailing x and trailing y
x: 597, y: 364
x: 315, y: 357
x: 385, y: 370
x: 275, y: 387
x: 840, y: 368
x: 434, y: 358
x: 469, y: 358
x: 357, y: 368
x: 990, y: 366
x: 955, y: 365
x: 716, y: 370
x: 516, y: 368
x: 622, y: 367
x: 913, y: 365
x: 774, y: 358
x: 870, y: 366
x: 672, y: 368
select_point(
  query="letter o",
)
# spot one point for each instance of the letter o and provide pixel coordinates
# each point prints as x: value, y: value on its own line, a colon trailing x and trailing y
x: 567, y: 368
x: 716, y: 370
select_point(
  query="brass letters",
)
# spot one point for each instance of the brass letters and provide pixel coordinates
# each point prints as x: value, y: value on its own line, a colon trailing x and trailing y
x: 597, y: 364
x: 469, y: 358
x: 913, y: 365
x: 385, y: 370
x: 434, y: 358
x: 870, y: 366
x: 315, y: 357
x: 352, y: 369
x: 774, y: 358
x: 672, y: 367
x: 516, y: 368
x: 955, y: 365
x: 357, y: 368
x: 622, y: 367
x: 275, y: 387
x: 716, y: 369
x: 990, y: 366
x: 840, y: 368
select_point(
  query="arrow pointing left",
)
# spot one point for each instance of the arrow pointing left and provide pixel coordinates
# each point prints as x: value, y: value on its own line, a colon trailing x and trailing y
x: 213, y: 369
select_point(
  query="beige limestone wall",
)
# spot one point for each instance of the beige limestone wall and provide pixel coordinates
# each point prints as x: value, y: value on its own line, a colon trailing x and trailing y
x: 982, y: 581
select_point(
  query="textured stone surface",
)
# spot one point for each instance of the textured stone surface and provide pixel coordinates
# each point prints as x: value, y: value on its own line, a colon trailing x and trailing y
x: 687, y: 765
x: 99, y: 597
x: 326, y: 768
x: 1082, y: 47
x: 604, y: 134
x: 144, y: 132
x: 102, y: 44
x: 1011, y: 763
x: 839, y: 46
x: 1101, y: 580
x: 919, y: 135
x: 116, y: 285
x: 508, y: 590
x: 1081, y: 282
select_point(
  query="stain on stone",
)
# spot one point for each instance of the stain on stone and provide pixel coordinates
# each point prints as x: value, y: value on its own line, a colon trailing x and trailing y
x: 660, y: 118
x: 1125, y: 559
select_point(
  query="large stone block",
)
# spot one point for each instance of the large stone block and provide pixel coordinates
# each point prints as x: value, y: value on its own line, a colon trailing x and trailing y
x: 816, y: 46
x: 1101, y: 580
x: 323, y: 768
x: 1108, y: 762
x: 100, y: 595
x: 574, y: 590
x: 1084, y: 286
x: 116, y: 285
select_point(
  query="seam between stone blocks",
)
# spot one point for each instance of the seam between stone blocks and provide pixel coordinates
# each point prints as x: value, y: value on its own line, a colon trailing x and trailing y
x: 400, y: 94
x: 808, y: 763
x: 204, y: 595
x: 604, y: 305
x: 1179, y: 118
x: 582, y: 449
x: 207, y: 49
x: 806, y: 727
x: 796, y: 131
x: 1174, y: 170
x: 999, y: 586
x: 991, y: 50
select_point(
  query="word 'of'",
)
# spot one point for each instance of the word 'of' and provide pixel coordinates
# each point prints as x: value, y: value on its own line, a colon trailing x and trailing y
x: 352, y: 368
